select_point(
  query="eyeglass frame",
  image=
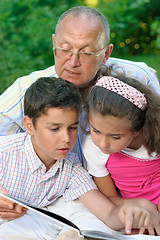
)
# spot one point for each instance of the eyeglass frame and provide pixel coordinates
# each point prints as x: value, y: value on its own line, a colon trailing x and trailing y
x: 71, y: 51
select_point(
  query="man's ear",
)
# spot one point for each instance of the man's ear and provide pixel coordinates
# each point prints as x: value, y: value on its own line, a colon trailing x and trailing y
x: 108, y: 53
x: 28, y: 124
x: 53, y: 38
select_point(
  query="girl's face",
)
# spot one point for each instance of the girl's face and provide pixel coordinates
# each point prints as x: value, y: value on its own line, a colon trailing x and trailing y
x: 111, y: 134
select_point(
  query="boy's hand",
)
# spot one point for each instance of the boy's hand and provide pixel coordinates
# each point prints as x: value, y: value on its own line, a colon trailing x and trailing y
x: 8, y: 209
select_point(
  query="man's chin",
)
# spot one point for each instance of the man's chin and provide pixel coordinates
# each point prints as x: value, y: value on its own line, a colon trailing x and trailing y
x: 77, y: 83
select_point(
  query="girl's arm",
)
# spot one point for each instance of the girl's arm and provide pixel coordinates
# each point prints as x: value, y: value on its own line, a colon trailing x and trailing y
x: 106, y: 184
x: 107, y: 187
x: 127, y: 215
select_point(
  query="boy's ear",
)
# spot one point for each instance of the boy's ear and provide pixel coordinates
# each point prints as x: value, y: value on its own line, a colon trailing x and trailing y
x: 28, y: 124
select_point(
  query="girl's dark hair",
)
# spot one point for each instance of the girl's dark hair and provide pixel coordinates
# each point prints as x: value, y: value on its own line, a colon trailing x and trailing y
x: 107, y: 102
x: 48, y: 92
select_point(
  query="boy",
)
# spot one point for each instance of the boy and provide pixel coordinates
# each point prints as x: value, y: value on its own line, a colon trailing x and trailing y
x: 37, y: 167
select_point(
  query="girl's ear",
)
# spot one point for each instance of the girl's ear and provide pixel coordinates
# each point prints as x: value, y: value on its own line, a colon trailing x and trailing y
x: 28, y: 124
x: 137, y: 133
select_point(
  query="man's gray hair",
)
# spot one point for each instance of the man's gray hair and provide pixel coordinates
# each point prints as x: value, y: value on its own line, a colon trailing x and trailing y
x: 89, y: 13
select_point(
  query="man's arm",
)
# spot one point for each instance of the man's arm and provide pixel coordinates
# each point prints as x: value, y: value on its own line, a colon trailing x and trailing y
x: 139, y: 70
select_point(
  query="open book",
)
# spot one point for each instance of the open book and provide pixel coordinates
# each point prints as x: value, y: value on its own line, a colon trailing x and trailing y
x: 50, y: 216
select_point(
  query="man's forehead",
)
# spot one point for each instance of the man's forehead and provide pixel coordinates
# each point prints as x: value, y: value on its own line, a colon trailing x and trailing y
x: 81, y: 21
x: 79, y: 28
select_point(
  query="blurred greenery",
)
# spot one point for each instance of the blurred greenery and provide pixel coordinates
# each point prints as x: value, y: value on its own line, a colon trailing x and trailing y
x: 26, y: 28
x: 135, y: 25
x: 26, y: 36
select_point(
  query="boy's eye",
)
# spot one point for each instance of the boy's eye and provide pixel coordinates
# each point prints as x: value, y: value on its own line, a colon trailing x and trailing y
x: 95, y: 130
x: 73, y: 128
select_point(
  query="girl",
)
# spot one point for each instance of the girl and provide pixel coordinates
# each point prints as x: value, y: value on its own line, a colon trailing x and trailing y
x: 124, y: 141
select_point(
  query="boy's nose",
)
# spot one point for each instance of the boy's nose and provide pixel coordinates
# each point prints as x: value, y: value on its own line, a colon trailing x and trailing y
x: 65, y: 136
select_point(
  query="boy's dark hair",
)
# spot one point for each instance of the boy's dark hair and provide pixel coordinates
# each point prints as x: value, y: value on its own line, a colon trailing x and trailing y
x: 107, y: 102
x: 48, y: 92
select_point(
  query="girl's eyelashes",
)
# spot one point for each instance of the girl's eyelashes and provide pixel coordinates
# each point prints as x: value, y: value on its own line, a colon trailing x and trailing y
x: 116, y: 137
x: 54, y: 129
x: 98, y: 132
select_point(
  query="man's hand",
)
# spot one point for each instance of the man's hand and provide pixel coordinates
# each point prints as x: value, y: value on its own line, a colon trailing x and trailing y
x: 8, y: 209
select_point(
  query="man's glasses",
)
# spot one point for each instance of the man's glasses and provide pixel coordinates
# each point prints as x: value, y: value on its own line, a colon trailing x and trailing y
x: 85, y: 57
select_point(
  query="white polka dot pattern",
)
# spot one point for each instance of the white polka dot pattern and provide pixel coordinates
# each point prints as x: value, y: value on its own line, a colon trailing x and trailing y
x: 123, y: 89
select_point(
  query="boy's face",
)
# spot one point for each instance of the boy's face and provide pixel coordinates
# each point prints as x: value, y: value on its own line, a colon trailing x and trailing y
x: 55, y: 134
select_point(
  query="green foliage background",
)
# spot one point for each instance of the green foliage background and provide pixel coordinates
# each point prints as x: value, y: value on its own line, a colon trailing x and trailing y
x: 26, y: 28
x: 135, y: 25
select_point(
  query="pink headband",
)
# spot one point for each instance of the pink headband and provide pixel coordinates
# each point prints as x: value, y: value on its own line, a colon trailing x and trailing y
x: 123, y: 89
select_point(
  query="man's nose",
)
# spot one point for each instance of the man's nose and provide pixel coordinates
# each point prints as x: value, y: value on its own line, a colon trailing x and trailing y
x: 74, y: 60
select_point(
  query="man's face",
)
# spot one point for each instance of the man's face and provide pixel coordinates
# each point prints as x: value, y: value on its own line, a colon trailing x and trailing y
x: 79, y: 34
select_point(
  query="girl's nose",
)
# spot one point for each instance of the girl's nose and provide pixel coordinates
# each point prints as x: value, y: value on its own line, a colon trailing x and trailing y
x: 105, y: 143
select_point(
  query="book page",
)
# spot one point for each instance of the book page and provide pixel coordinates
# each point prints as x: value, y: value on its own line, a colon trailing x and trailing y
x: 50, y: 216
x: 140, y: 237
x: 40, y: 212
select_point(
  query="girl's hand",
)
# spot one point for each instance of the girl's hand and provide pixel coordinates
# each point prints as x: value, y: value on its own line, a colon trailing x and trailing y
x: 154, y: 216
x: 134, y: 216
x: 154, y: 227
x: 8, y: 209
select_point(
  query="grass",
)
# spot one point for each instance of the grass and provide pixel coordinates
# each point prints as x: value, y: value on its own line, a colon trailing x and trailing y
x: 152, y: 60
